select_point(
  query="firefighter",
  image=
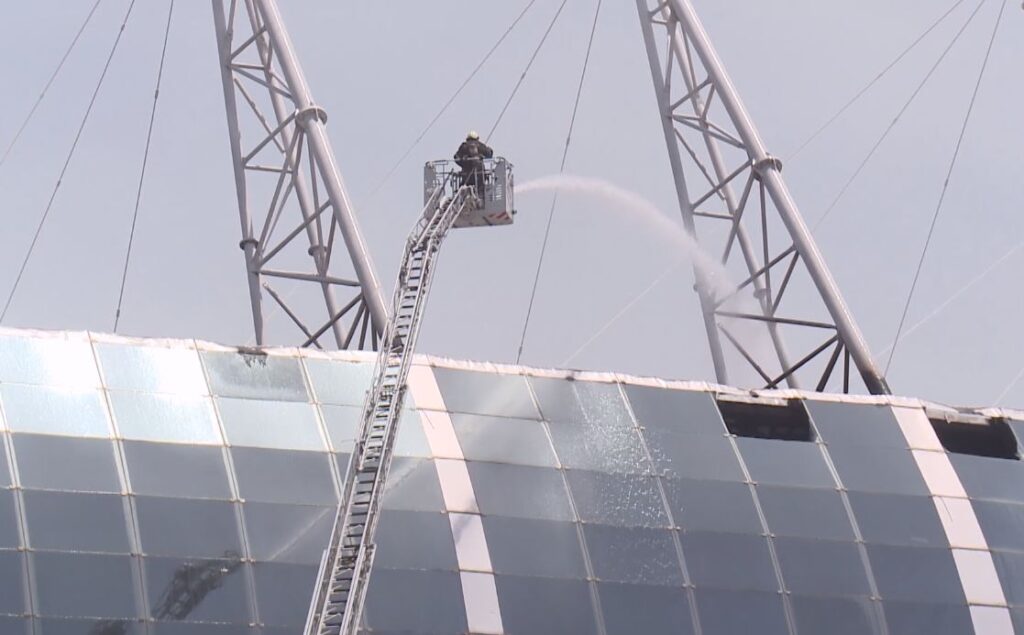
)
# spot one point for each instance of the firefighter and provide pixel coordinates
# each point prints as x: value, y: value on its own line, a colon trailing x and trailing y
x: 470, y: 157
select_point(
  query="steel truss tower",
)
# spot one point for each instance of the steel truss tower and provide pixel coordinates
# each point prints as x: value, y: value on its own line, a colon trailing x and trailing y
x: 287, y: 180
x: 726, y: 180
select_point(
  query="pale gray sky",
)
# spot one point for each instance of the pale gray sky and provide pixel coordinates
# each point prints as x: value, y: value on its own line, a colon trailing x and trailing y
x: 383, y: 69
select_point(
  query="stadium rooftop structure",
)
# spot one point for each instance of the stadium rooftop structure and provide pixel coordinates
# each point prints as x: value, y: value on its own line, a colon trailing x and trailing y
x: 181, y: 487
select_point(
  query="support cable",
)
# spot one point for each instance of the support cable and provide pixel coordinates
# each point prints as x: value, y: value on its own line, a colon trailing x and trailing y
x: 839, y: 113
x: 452, y: 99
x: 145, y: 162
x: 67, y: 161
x: 526, y: 70
x: 49, y: 82
x: 561, y: 170
x: 945, y: 185
x: 899, y: 115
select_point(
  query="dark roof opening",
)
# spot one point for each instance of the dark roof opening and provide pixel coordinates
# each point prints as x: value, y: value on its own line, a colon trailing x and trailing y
x: 778, y: 419
x: 977, y: 436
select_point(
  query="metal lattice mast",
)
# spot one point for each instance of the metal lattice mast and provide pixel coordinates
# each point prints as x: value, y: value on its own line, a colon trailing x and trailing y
x: 747, y: 217
x: 287, y: 180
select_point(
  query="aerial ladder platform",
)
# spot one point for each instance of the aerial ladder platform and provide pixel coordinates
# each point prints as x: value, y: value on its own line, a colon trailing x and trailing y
x: 452, y: 199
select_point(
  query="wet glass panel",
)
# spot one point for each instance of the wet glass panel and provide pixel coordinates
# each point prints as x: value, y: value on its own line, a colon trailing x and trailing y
x: 857, y: 424
x: 85, y: 464
x: 9, y: 538
x: 485, y: 393
x: 631, y: 500
x: 1002, y: 524
x: 342, y: 425
x: 151, y: 369
x: 76, y: 522
x: 991, y: 479
x: 415, y: 540
x: 154, y: 417
x: 77, y: 412
x: 185, y: 628
x: 503, y: 440
x: 805, y: 513
x: 287, y: 425
x: 739, y: 612
x: 634, y: 554
x: 83, y: 585
x: 792, y: 463
x: 629, y: 609
x: 255, y: 376
x: 12, y: 583
x: 339, y: 382
x: 729, y: 561
x: 522, y: 492
x: 836, y: 616
x: 891, y: 519
x: 544, y: 606
x: 915, y: 574
x: 15, y: 625
x: 822, y: 567
x: 283, y: 592
x: 606, y: 446
x: 603, y: 404
x: 877, y: 469
x: 284, y: 476
x: 934, y: 619
x: 557, y: 399
x: 288, y: 533
x: 545, y: 548
x: 57, y: 626
x: 696, y: 456
x: 712, y: 506
x: 188, y: 471
x: 184, y: 527
x: 1010, y: 567
x: 217, y: 589
x: 47, y: 360
x: 675, y: 410
x: 431, y: 602
x: 412, y: 484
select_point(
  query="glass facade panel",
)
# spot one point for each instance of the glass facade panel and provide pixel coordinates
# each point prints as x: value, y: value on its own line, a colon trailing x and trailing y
x: 9, y: 538
x: 151, y: 369
x: 675, y: 410
x: 633, y: 554
x: 217, y: 590
x: 891, y: 519
x: 557, y: 399
x: 5, y: 470
x: 990, y: 479
x: 540, y: 606
x: 255, y: 376
x: 76, y: 522
x: 822, y: 567
x: 412, y: 484
x: 15, y: 625
x: 339, y: 382
x: 288, y: 533
x: 695, y: 456
x: 431, y: 602
x: 792, y: 463
x: 415, y: 540
x: 805, y: 513
x: 733, y: 612
x: 57, y: 626
x: 665, y: 610
x: 729, y: 561
x: 155, y: 417
x: 856, y: 424
x: 192, y: 528
x: 1002, y: 524
x: 84, y: 585
x: 283, y: 591
x: 522, y: 492
x: 85, y: 464
x: 288, y: 425
x: 877, y: 469
x: 411, y: 440
x: 188, y: 471
x: 12, y: 583
x: 76, y: 412
x: 1010, y: 567
x: 542, y: 548
x: 504, y: 440
x: 914, y: 574
x: 836, y: 616
x: 50, y: 361
x: 608, y: 446
x: 208, y: 628
x: 934, y: 619
x: 630, y: 500
x: 342, y: 424
x: 712, y: 506
x: 485, y: 393
x: 284, y: 476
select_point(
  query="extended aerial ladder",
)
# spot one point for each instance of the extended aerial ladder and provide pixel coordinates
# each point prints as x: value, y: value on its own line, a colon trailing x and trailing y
x: 345, y: 568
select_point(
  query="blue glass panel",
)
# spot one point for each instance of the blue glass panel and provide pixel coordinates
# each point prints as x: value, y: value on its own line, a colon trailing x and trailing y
x: 76, y: 522
x: 629, y: 609
x: 415, y: 540
x: 58, y: 626
x: 485, y: 393
x: 284, y: 476
x: 557, y: 399
x: 287, y: 425
x: 79, y: 585
x: 630, y: 500
x: 712, y: 506
x: 255, y: 376
x: 892, y: 519
x: 340, y: 382
x: 877, y: 469
x: 805, y: 513
x: 15, y: 625
x: 1002, y: 523
x: 151, y: 368
x: 735, y: 612
x: 836, y: 616
x: 163, y: 417
x: 545, y: 548
x: 9, y: 538
x: 209, y: 628
x: 634, y: 554
x: 934, y: 619
x: 166, y: 469
x: 793, y: 463
x: 822, y: 567
x: 606, y: 446
x: 342, y: 424
x: 1010, y: 567
x: 522, y: 492
x: 85, y: 465
x: 431, y: 602
x: 197, y: 590
x: 729, y: 561
x: 187, y: 527
x: 12, y: 583
x: 504, y: 440
x: 860, y: 424
x: 675, y: 410
x: 5, y: 469
x: 544, y: 606
x: 77, y: 412
x: 288, y: 533
x: 412, y: 484
x: 694, y: 456
x: 283, y: 592
x: 915, y: 574
x: 990, y: 479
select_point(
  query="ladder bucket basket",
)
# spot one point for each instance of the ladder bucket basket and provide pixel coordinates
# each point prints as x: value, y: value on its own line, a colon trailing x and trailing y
x: 492, y: 183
